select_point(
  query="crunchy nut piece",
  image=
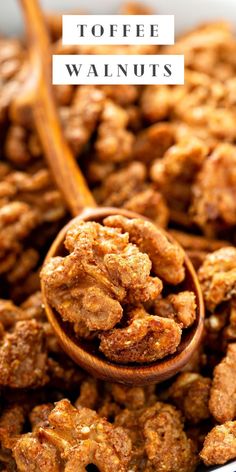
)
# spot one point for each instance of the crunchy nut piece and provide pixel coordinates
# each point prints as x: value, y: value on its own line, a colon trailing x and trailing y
x: 156, y: 102
x: 73, y: 440
x: 127, y: 188
x: 153, y: 142
x: 167, y: 258
x: 114, y: 143
x: 129, y: 420
x: 229, y: 333
x: 102, y: 271
x: 32, y: 452
x: 81, y: 118
x: 222, y: 402
x: 146, y: 339
x: 190, y: 393
x: 63, y: 374
x: 17, y: 220
x: 22, y: 356
x: 175, y: 173
x: 220, y: 444
x: 180, y: 307
x: 214, y: 206
x: 10, y: 314
x: 151, y: 204
x: 97, y: 172
x: 123, y: 95
x: 167, y: 447
x: 132, y: 397
x: 11, y: 424
x: 120, y: 186
x: 16, y: 146
x: 89, y: 394
x: 26, y: 262
x: 217, y: 276
x: 39, y: 416
x: 33, y: 307
x: 11, y: 62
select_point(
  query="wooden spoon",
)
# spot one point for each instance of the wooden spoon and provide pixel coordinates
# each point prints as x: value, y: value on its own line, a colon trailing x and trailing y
x: 80, y: 202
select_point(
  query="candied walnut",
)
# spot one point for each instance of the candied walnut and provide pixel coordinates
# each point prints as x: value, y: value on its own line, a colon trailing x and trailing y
x: 39, y: 416
x: 120, y: 186
x: 167, y: 258
x: 156, y: 103
x: 129, y: 420
x: 11, y: 425
x: 11, y: 62
x: 15, y: 145
x: 123, y: 95
x: 167, y: 447
x: 22, y: 356
x: 25, y: 263
x: 222, y: 402
x: 152, y: 142
x: 180, y: 307
x: 102, y: 271
x: 63, y: 374
x: 145, y: 339
x: 132, y: 397
x: 114, y: 142
x: 73, y: 440
x: 213, y: 207
x: 217, y: 277
x: 229, y: 333
x: 220, y: 444
x: 89, y: 394
x: 151, y: 204
x: 190, y: 393
x: 17, y: 220
x: 175, y: 173
x: 80, y: 119
x: 127, y: 188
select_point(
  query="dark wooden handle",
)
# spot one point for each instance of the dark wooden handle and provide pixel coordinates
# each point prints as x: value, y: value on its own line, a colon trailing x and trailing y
x: 61, y: 161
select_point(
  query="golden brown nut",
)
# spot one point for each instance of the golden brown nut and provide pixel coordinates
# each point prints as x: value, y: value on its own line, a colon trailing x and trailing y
x: 167, y: 258
x: 214, y: 199
x: 81, y: 118
x: 23, y: 357
x: 152, y: 142
x: 175, y: 173
x: 72, y: 440
x: 220, y: 444
x: 114, y: 142
x: 217, y: 277
x: 102, y: 272
x: 167, y: 447
x: 190, y: 393
x: 145, y: 339
x: 222, y: 402
x: 180, y: 307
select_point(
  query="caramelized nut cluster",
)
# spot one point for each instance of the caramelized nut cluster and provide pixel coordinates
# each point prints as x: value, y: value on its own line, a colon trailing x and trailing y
x: 113, y: 270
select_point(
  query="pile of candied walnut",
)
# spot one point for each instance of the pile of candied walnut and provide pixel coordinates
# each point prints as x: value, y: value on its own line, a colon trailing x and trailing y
x: 168, y: 153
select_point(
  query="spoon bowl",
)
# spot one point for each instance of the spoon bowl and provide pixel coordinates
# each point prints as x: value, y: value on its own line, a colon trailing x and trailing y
x: 86, y: 353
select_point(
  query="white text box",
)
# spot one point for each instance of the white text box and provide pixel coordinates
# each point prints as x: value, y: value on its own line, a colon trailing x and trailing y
x: 118, y: 69
x: 117, y: 29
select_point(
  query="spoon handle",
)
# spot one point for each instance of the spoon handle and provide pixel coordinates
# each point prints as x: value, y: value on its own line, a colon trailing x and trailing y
x: 61, y: 161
